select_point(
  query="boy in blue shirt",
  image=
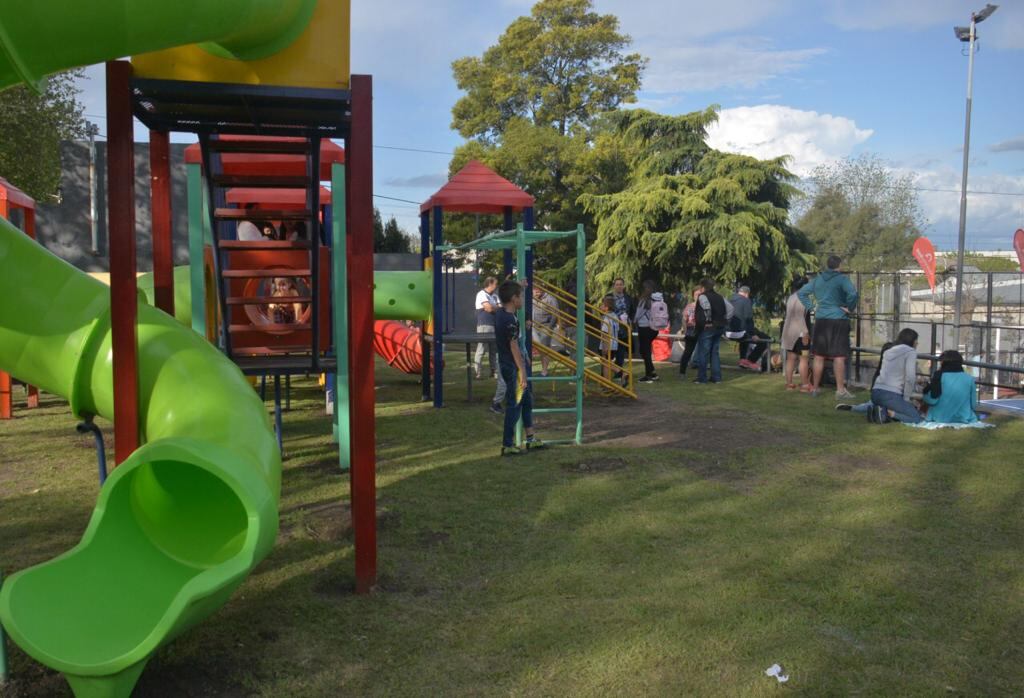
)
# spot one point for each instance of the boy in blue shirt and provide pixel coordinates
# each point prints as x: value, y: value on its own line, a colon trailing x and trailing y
x: 518, y: 399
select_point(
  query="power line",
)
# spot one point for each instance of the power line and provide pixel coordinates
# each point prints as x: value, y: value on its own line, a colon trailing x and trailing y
x: 392, y: 198
x: 413, y: 149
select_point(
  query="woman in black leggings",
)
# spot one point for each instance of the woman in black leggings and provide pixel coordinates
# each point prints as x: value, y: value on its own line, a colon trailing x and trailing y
x: 645, y: 332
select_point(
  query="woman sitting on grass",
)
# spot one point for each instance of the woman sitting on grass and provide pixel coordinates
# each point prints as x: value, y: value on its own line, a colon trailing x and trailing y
x: 951, y: 394
x: 897, y: 379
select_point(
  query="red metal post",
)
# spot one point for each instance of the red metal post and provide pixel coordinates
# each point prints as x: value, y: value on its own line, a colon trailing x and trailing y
x: 6, y: 399
x: 362, y: 474
x: 121, y: 227
x: 160, y: 204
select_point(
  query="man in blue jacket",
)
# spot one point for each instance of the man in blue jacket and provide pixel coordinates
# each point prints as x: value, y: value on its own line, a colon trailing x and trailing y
x: 834, y: 299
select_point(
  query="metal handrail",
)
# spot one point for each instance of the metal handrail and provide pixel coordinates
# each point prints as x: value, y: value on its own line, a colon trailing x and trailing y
x: 604, y: 337
x: 572, y: 300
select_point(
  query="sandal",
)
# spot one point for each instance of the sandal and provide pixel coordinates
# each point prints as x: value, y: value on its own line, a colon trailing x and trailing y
x: 791, y: 386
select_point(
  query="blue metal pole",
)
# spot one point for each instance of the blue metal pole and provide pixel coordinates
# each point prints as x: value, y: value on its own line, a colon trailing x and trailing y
x: 438, y: 310
x: 277, y: 412
x: 89, y: 427
x: 424, y: 344
x: 509, y: 224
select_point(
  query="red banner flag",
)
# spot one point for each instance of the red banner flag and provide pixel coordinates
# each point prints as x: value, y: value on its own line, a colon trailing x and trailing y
x: 924, y: 253
x: 1018, y: 244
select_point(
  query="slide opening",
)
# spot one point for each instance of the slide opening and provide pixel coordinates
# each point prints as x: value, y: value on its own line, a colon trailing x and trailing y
x: 187, y: 512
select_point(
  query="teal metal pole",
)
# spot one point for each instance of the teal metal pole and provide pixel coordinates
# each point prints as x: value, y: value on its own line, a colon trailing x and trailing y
x: 581, y: 295
x: 521, y: 314
x: 196, y: 227
x: 339, y: 284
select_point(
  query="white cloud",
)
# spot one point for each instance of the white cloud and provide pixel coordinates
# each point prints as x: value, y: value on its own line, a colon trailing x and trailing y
x: 741, y: 62
x: 991, y: 218
x: 1007, y: 146
x: 1004, y: 30
x: 769, y: 130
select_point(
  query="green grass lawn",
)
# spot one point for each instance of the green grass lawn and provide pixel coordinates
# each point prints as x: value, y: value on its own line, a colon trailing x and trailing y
x: 702, y: 534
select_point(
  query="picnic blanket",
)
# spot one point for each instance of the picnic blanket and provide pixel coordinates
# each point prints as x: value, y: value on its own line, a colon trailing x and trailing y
x: 942, y: 425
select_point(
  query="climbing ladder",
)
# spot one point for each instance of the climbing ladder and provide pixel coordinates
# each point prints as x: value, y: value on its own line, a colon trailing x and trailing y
x: 599, y: 362
x: 232, y: 257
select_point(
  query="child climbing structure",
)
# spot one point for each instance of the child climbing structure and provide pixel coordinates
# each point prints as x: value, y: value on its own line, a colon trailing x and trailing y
x: 192, y: 506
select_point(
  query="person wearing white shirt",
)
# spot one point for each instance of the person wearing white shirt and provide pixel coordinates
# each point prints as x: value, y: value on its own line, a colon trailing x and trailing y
x: 486, y: 306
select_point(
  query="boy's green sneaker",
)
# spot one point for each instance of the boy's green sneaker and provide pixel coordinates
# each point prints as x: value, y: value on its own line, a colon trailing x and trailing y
x: 532, y: 442
x: 511, y: 451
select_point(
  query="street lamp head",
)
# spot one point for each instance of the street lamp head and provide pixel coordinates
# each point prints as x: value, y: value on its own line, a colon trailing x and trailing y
x: 986, y: 13
x: 962, y: 33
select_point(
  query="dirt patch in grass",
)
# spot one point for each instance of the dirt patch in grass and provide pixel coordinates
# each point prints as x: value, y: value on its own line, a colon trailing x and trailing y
x: 659, y: 422
x: 594, y: 464
x: 843, y: 463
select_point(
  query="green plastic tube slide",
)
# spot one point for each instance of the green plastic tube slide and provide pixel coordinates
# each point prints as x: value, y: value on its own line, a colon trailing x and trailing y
x: 40, y: 37
x: 179, y: 525
x: 397, y: 295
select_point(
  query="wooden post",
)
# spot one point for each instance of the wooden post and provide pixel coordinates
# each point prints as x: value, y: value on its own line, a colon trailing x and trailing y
x: 160, y: 205
x: 359, y: 158
x: 123, y: 287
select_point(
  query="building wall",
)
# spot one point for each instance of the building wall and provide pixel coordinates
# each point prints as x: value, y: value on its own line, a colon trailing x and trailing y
x: 63, y: 226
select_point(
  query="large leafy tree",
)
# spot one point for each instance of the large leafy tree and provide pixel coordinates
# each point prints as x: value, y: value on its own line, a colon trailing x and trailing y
x: 33, y: 126
x: 534, y: 107
x: 559, y: 67
x: 688, y: 210
x: 863, y: 212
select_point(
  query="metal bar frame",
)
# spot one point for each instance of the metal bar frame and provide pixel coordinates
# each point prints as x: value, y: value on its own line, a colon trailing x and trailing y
x: 160, y: 210
x: 123, y: 285
x: 362, y: 474
x: 339, y: 281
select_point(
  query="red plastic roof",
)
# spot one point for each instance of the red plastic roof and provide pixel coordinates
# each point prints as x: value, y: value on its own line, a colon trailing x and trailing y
x: 274, y: 198
x: 262, y: 164
x: 476, y: 188
x: 16, y: 197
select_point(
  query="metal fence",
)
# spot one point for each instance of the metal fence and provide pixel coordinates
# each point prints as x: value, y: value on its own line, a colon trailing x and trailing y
x: 992, y: 335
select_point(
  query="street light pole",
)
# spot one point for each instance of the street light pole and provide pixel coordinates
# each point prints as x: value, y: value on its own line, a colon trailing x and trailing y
x: 970, y: 37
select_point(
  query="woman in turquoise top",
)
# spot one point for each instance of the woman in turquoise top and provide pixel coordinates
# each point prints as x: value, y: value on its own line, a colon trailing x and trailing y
x: 951, y: 395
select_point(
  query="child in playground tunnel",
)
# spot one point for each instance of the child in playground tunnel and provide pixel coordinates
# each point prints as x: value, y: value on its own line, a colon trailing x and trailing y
x: 284, y: 313
x: 519, y: 397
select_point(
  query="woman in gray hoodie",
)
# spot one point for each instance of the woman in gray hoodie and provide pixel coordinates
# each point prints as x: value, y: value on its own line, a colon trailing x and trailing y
x: 898, y: 378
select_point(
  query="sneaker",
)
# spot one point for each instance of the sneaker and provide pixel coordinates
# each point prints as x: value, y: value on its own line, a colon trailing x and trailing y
x: 511, y: 451
x: 476, y: 374
x: 618, y: 376
x: 496, y: 408
x: 534, y: 443
x: 844, y: 407
x: 655, y: 377
x: 844, y: 395
x: 698, y: 381
x: 645, y: 379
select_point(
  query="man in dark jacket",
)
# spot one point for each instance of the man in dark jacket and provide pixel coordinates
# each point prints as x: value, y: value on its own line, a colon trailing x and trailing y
x: 753, y: 344
x: 713, y: 315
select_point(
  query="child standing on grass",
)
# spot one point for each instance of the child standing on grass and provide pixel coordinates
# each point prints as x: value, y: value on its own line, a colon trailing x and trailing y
x: 609, y: 332
x: 519, y: 397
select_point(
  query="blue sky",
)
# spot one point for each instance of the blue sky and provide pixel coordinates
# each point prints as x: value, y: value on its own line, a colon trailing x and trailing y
x: 815, y: 80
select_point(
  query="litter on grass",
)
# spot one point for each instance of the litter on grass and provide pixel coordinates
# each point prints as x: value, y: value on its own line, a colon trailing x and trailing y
x: 777, y: 671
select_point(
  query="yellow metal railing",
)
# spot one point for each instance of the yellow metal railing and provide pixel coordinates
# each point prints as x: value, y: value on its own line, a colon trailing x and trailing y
x: 566, y: 318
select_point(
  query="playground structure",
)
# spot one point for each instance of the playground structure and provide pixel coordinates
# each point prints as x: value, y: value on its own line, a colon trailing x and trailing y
x: 14, y: 200
x: 477, y: 189
x: 191, y: 507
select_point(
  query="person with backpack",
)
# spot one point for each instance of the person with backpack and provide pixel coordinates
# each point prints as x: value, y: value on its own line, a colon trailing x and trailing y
x: 897, y: 379
x: 651, y: 317
x: 834, y: 300
x: 689, y: 331
x: 712, y: 318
